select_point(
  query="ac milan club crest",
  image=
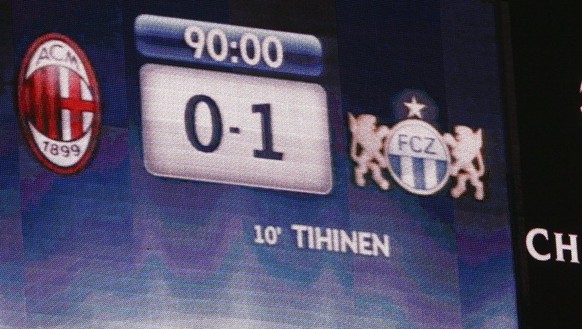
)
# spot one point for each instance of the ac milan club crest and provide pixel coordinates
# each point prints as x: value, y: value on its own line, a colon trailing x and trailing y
x: 59, y: 103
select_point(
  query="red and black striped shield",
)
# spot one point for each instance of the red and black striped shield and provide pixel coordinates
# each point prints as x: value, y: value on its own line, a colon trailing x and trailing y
x: 59, y: 104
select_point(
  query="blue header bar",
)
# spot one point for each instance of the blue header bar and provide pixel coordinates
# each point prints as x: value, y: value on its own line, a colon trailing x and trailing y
x: 228, y: 46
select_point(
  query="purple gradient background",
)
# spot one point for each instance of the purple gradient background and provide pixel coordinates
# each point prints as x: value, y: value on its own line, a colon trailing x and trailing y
x: 117, y: 247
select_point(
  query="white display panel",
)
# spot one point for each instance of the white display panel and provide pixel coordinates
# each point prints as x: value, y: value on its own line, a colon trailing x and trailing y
x: 236, y: 129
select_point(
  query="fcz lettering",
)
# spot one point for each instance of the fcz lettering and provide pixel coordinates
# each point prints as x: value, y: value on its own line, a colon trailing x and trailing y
x: 417, y: 144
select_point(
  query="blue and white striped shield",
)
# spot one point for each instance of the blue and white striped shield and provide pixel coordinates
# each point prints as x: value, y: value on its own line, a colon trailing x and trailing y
x: 418, y: 157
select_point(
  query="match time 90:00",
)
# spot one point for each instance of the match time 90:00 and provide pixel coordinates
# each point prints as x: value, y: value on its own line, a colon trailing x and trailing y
x: 218, y: 47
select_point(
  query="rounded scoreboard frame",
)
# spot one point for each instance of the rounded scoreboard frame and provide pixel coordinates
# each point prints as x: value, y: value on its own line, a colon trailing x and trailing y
x: 242, y: 129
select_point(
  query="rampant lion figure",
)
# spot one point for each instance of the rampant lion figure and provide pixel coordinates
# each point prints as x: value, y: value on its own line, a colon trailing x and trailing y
x: 369, y: 156
x: 468, y: 164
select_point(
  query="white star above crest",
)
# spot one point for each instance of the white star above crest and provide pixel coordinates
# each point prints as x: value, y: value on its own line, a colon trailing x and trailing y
x: 414, y: 108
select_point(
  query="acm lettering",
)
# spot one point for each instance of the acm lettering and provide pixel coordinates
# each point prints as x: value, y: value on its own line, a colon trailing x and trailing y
x: 56, y: 53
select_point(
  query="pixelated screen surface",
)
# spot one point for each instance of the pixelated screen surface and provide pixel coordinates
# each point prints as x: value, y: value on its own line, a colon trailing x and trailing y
x: 254, y: 164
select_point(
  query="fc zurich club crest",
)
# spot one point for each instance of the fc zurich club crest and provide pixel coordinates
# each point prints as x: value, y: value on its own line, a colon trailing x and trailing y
x: 59, y: 105
x: 417, y: 156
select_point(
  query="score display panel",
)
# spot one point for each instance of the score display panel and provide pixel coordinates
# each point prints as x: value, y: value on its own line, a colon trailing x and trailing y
x: 258, y: 165
x: 199, y: 125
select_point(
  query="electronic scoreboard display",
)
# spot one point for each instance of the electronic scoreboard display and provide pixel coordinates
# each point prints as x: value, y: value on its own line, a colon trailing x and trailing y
x: 254, y: 164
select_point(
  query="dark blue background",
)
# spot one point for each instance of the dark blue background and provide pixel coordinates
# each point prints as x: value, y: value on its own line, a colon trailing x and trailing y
x: 117, y: 242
